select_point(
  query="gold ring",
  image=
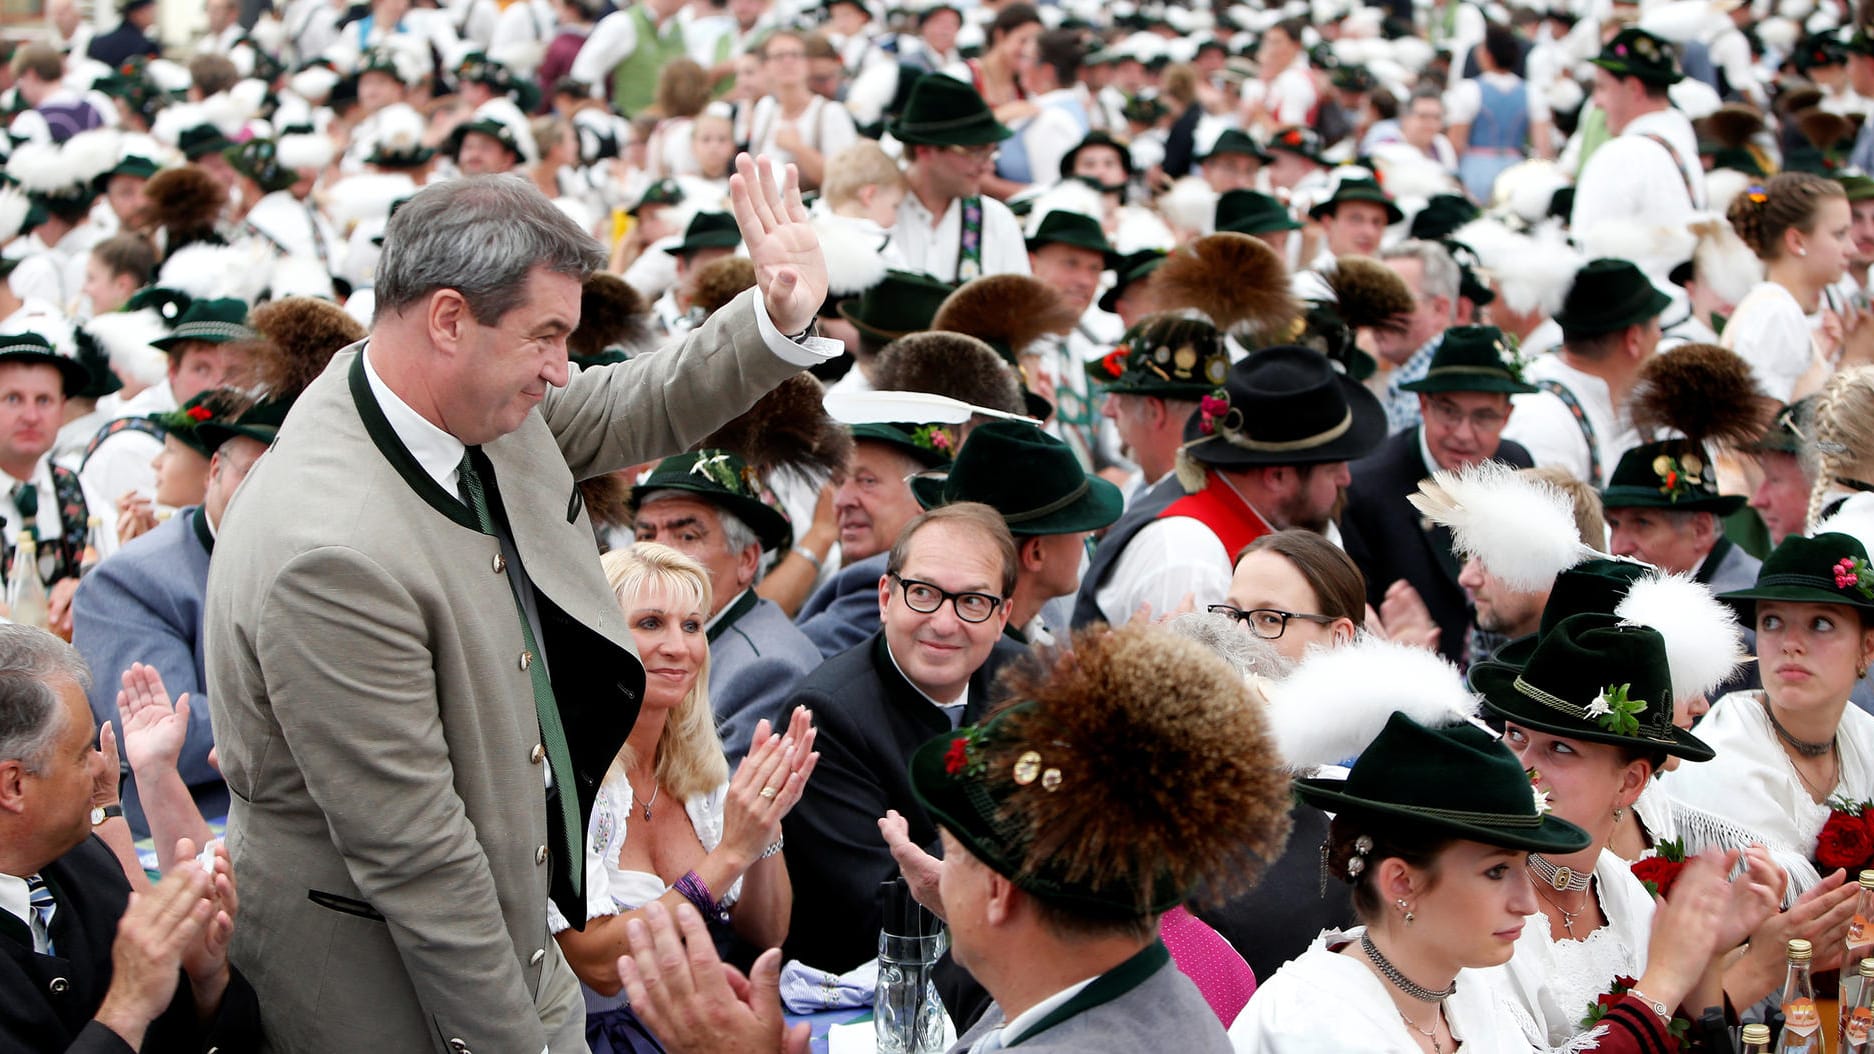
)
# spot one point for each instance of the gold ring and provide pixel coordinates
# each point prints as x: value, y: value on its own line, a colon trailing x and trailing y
x: 769, y: 792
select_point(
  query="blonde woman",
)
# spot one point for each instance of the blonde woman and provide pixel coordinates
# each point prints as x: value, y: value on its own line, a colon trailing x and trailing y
x: 670, y: 824
x: 1840, y: 445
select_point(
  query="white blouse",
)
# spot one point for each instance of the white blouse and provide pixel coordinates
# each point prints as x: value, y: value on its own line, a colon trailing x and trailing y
x: 1752, y: 782
x: 1328, y: 1003
x: 1770, y: 331
x: 612, y: 890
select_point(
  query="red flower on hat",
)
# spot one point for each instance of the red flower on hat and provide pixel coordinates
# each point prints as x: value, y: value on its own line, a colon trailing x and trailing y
x: 957, y: 758
x: 1115, y: 360
x: 1293, y: 138
x: 198, y: 414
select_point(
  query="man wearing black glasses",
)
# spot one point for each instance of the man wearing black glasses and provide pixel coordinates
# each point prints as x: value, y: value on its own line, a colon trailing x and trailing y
x: 943, y: 602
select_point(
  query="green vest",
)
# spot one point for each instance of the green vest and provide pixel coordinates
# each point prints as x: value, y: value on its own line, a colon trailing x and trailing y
x: 634, y: 81
x: 1593, y: 133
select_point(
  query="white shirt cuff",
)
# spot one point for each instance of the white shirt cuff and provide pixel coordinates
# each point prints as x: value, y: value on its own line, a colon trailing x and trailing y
x: 809, y: 352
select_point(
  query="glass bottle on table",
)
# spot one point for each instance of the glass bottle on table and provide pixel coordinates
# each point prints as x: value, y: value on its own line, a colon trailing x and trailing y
x: 1859, y: 947
x: 1802, y: 1020
x: 1858, y: 1018
x: 1756, y: 1039
x: 26, y: 591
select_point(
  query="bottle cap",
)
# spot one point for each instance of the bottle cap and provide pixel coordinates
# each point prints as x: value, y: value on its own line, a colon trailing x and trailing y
x: 1867, y: 967
x: 1800, y: 950
x: 1867, y: 879
x: 1756, y: 1034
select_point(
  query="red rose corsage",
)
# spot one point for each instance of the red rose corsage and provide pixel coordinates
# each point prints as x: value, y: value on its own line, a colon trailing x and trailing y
x: 198, y: 414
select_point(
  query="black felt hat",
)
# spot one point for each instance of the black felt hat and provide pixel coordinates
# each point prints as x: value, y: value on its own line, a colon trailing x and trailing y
x: 1234, y: 141
x: 1253, y: 212
x: 1132, y: 267
x: 31, y: 348
x: 260, y: 421
x: 944, y: 111
x: 220, y: 321
x: 1593, y: 678
x: 1595, y: 586
x: 1641, y: 55
x: 904, y: 302
x: 1096, y: 138
x: 932, y: 446
x: 1285, y: 405
x: 1302, y: 142
x: 708, y: 230
x: 1830, y: 568
x: 1061, y: 227
x: 1607, y: 295
x: 1166, y: 355
x: 1442, y: 214
x: 1358, y: 190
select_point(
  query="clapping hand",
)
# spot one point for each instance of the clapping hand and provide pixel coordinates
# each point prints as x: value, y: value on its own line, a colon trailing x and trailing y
x: 135, y: 515
x: 789, y: 268
x: 694, y: 1001
x: 158, y: 929
x: 206, y: 960
x: 768, y: 783
x: 153, y: 731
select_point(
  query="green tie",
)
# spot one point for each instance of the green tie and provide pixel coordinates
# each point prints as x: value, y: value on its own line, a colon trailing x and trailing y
x: 551, y: 731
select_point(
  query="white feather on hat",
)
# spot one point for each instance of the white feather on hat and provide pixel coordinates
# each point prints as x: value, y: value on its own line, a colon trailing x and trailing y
x: 215, y: 271
x: 1722, y: 262
x: 1526, y: 189
x: 1066, y: 196
x: 1778, y: 34
x: 1704, y: 642
x: 313, y: 151
x: 126, y: 336
x: 502, y: 111
x: 42, y: 318
x: 1336, y: 702
x: 40, y: 168
x: 89, y: 155
x: 314, y: 83
x: 1413, y: 53
x: 81, y: 74
x: 871, y: 91
x: 1682, y: 21
x: 1694, y: 98
x: 14, y: 205
x: 175, y: 119
x: 1523, y: 530
x: 368, y: 195
x: 269, y: 34
x: 300, y: 276
x: 853, y: 261
x: 1564, y: 94
x: 1636, y: 241
x: 1406, y: 174
x: 1722, y: 186
x: 1140, y: 229
x: 168, y: 76
x: 1190, y: 205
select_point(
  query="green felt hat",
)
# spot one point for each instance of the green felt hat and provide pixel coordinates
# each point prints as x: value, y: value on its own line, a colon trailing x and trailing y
x: 728, y: 481
x: 930, y: 445
x: 1458, y: 780
x: 1235, y: 141
x: 944, y: 111
x: 1608, y: 295
x: 1285, y: 405
x: 1096, y: 138
x: 1669, y: 474
x: 140, y: 167
x: 258, y: 160
x: 202, y: 140
x: 1829, y: 568
x: 1857, y: 186
x: 1442, y: 214
x: 1127, y: 269
x: 660, y: 192
x: 902, y: 304
x: 1144, y: 109
x: 964, y: 778
x: 1302, y: 142
x: 1641, y: 55
x: 1474, y: 359
x: 217, y: 406
x: 214, y: 321
x: 1357, y: 190
x: 1353, y: 78
x: 169, y: 304
x: 1033, y: 479
x: 500, y: 131
x: 708, y: 230
x: 33, y: 349
x: 260, y: 421
x: 1253, y: 212
x: 1061, y: 227
x: 1595, y: 586
x: 1593, y: 678
x: 1165, y: 355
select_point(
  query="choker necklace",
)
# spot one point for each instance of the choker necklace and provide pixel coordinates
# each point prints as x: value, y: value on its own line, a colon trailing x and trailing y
x: 1400, y: 981
x: 1560, y: 879
x: 1568, y: 917
x: 1800, y: 746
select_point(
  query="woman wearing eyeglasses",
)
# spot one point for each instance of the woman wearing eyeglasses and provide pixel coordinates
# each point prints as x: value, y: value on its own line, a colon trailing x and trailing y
x: 1297, y: 590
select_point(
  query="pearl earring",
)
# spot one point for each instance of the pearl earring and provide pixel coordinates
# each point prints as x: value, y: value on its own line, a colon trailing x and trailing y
x: 1802, y: 252
x: 1619, y: 812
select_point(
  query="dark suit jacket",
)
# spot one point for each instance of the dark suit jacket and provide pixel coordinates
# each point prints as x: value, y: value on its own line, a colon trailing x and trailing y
x: 869, y: 719
x: 121, y: 45
x: 1389, y: 540
x: 48, y: 1000
x: 844, y: 610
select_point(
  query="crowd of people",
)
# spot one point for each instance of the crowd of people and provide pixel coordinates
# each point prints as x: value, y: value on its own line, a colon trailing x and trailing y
x: 1288, y: 528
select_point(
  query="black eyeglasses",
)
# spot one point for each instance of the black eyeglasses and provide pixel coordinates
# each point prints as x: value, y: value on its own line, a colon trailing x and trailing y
x: 1267, y: 623
x: 924, y: 598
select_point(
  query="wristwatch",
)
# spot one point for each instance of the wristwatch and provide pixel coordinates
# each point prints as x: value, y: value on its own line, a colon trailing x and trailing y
x: 101, y: 813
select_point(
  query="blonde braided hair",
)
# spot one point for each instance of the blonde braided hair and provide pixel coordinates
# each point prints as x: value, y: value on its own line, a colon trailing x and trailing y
x: 1840, y: 439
